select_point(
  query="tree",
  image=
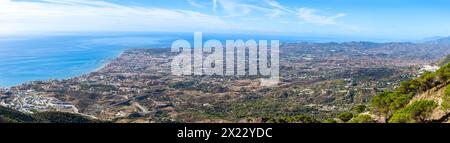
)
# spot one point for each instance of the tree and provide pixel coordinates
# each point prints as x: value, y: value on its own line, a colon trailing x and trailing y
x: 416, y: 112
x: 384, y: 104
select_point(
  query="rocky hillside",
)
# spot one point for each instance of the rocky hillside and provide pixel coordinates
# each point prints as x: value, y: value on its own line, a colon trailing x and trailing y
x: 425, y: 99
x: 421, y: 100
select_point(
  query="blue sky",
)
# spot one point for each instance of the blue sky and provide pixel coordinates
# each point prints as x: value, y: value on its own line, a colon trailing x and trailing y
x: 391, y: 19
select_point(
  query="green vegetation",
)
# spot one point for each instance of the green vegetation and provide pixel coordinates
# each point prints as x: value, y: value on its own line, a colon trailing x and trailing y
x: 359, y: 108
x: 416, y: 112
x: 291, y: 119
x: 388, y: 102
x: 362, y: 118
x: 8, y: 115
x: 61, y: 117
x: 345, y: 116
x: 443, y: 74
x: 385, y: 103
x: 329, y: 120
x: 446, y: 98
x: 394, y: 104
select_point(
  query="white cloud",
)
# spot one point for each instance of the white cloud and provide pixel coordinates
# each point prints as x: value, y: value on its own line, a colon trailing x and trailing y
x: 195, y: 4
x: 273, y: 9
x: 234, y: 8
x: 275, y: 14
x: 89, y: 15
x: 277, y: 5
x: 310, y: 16
x: 47, y: 16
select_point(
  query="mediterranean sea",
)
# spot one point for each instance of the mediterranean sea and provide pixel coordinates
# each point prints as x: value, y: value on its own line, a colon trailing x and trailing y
x: 30, y: 58
x: 58, y: 57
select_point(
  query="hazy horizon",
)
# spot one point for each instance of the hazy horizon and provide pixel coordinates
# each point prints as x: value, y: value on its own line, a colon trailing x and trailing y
x: 231, y: 36
x: 399, y: 20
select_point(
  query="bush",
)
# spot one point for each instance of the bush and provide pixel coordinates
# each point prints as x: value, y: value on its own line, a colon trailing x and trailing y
x: 414, y: 113
x: 427, y: 81
x: 362, y: 119
x: 446, y: 98
x: 443, y: 74
x: 329, y: 120
x: 359, y: 108
x: 345, y: 116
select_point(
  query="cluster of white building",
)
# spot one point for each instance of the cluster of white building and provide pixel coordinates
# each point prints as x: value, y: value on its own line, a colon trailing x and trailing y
x: 30, y: 102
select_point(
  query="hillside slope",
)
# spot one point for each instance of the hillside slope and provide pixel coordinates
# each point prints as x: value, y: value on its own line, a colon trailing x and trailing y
x: 424, y: 99
x: 8, y: 115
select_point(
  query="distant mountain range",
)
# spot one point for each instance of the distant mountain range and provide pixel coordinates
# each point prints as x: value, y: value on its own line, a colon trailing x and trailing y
x: 436, y: 40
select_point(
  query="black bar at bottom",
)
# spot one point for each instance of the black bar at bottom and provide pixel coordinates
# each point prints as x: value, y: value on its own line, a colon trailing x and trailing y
x: 255, y: 133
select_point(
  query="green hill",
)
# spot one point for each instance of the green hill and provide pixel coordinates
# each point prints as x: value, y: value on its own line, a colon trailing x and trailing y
x: 8, y: 115
x: 424, y: 99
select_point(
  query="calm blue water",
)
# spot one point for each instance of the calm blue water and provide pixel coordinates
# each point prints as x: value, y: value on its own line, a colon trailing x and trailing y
x: 58, y: 57
x: 24, y: 59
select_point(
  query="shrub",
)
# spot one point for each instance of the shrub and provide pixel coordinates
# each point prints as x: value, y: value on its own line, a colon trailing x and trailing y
x: 446, y: 98
x: 329, y: 120
x: 443, y: 74
x: 359, y: 108
x: 413, y: 113
x: 345, y: 116
x: 362, y: 119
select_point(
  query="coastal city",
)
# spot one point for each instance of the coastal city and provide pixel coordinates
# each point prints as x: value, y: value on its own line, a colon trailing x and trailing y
x: 255, y: 71
x: 320, y: 80
x: 31, y: 102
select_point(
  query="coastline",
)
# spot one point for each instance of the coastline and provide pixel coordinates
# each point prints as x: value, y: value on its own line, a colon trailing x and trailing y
x: 108, y: 61
x: 102, y: 64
